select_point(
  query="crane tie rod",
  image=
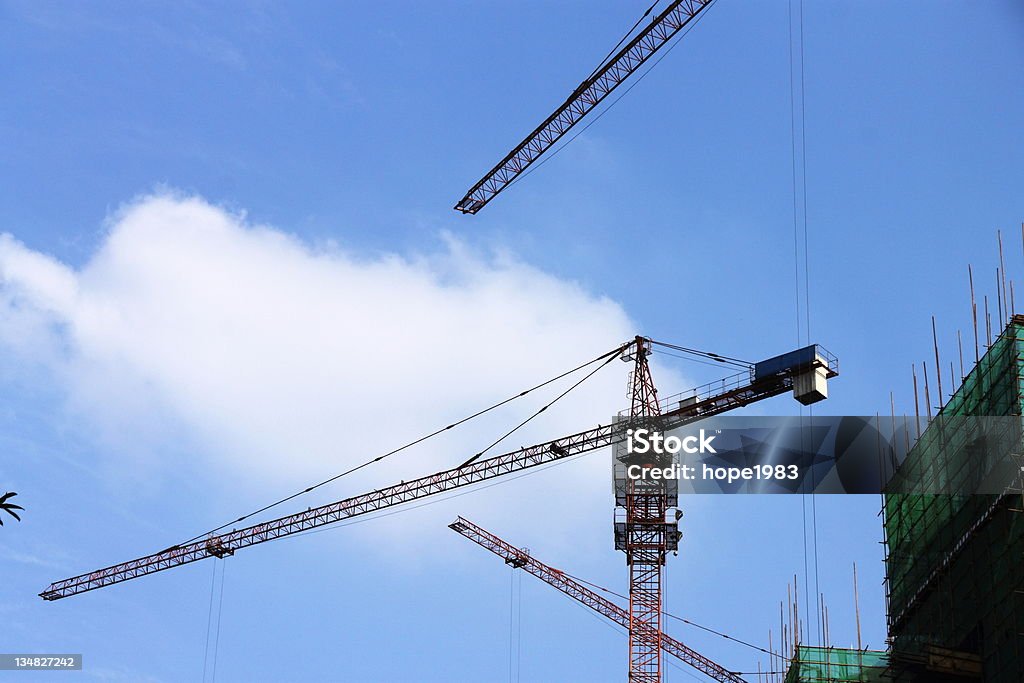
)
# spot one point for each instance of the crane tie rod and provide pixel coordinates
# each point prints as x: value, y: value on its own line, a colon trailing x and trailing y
x: 607, y: 356
x: 611, y: 356
x: 618, y: 44
x: 705, y: 354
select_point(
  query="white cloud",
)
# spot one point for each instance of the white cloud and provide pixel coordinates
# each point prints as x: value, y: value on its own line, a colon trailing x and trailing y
x: 15, y: 555
x: 284, y: 362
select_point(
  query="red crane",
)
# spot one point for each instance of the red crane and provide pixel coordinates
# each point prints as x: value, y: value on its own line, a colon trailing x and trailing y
x: 646, y: 534
x: 590, y: 93
x: 521, y: 559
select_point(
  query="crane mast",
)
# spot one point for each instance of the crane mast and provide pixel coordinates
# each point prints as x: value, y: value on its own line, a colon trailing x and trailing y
x: 647, y: 534
x: 521, y: 559
x: 590, y: 93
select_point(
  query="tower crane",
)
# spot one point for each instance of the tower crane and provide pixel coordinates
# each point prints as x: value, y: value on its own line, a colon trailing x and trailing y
x: 521, y: 559
x: 584, y: 99
x: 646, y: 535
x: 648, y: 529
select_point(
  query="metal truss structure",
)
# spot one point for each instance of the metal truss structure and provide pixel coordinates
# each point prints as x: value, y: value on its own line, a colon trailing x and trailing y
x: 582, y: 101
x: 522, y: 559
x: 647, y: 532
x: 712, y: 400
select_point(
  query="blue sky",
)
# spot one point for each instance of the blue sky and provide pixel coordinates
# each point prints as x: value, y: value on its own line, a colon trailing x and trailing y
x: 232, y: 268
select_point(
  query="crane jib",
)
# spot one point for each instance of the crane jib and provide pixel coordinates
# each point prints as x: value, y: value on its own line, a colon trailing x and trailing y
x: 582, y: 101
x: 726, y: 395
x: 574, y: 589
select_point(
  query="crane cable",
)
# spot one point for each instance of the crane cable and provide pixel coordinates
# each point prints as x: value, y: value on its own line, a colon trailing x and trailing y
x: 686, y: 358
x: 798, y: 218
x: 611, y: 52
x: 209, y: 621
x: 611, y: 356
x: 515, y: 622
x: 220, y: 612
x: 555, y: 400
x: 511, y: 620
x: 618, y: 629
x: 672, y: 616
x: 440, y: 498
x: 614, y: 353
x: 705, y: 354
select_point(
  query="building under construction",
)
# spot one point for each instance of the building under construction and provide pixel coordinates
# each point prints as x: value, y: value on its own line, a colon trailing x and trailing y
x: 954, y: 561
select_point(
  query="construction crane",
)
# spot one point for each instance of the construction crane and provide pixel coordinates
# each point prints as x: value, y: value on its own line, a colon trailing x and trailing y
x: 648, y: 529
x: 587, y: 96
x: 647, y: 532
x: 646, y: 536
x: 521, y: 559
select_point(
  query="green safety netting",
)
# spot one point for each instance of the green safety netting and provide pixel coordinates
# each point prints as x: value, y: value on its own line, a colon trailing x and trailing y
x: 955, y: 563
x: 824, y: 665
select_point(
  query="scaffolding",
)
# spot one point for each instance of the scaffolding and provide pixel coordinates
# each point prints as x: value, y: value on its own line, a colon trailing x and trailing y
x: 955, y: 560
x: 836, y: 665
